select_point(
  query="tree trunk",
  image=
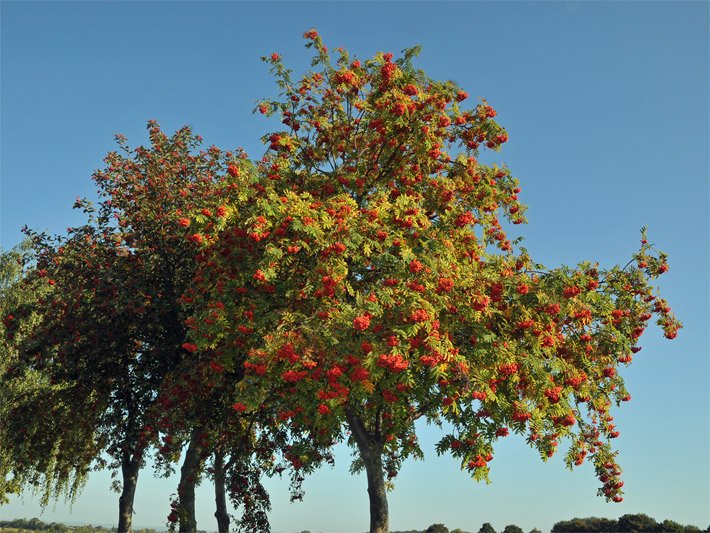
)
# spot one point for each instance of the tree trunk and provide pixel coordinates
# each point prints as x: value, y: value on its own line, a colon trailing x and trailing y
x: 379, y: 512
x: 219, y: 494
x: 129, y: 470
x: 186, y: 487
x: 370, y: 447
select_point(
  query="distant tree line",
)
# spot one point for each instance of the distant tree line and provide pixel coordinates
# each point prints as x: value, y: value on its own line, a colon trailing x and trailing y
x: 628, y: 523
x: 35, y: 524
x: 485, y: 528
x: 631, y: 523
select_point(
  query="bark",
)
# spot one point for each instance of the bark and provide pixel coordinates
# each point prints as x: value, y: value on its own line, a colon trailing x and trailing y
x: 219, y: 494
x: 379, y: 512
x: 370, y: 447
x: 186, y: 487
x: 129, y: 471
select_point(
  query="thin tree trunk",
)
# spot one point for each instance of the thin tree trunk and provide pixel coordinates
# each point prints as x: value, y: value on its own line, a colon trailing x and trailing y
x: 370, y: 447
x: 219, y: 494
x: 186, y: 487
x: 129, y: 471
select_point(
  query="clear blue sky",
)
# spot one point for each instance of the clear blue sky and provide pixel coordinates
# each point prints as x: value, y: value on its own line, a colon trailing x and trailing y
x: 606, y: 105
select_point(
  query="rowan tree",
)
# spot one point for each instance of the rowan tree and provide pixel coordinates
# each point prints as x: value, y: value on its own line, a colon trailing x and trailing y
x: 378, y: 249
x: 200, y: 397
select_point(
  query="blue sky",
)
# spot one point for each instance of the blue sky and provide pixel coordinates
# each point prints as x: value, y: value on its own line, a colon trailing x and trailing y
x: 606, y: 106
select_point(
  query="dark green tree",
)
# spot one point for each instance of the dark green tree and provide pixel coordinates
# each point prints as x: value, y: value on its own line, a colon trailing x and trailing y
x: 44, y: 445
x: 637, y: 523
x: 591, y: 524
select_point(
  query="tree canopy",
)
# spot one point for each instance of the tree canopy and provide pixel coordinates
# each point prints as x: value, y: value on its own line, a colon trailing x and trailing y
x: 360, y: 276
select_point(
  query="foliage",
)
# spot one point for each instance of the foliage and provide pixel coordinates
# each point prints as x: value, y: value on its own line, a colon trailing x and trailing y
x: 637, y: 522
x: 512, y: 528
x: 585, y: 524
x: 43, y: 445
x: 487, y: 528
x: 377, y: 247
